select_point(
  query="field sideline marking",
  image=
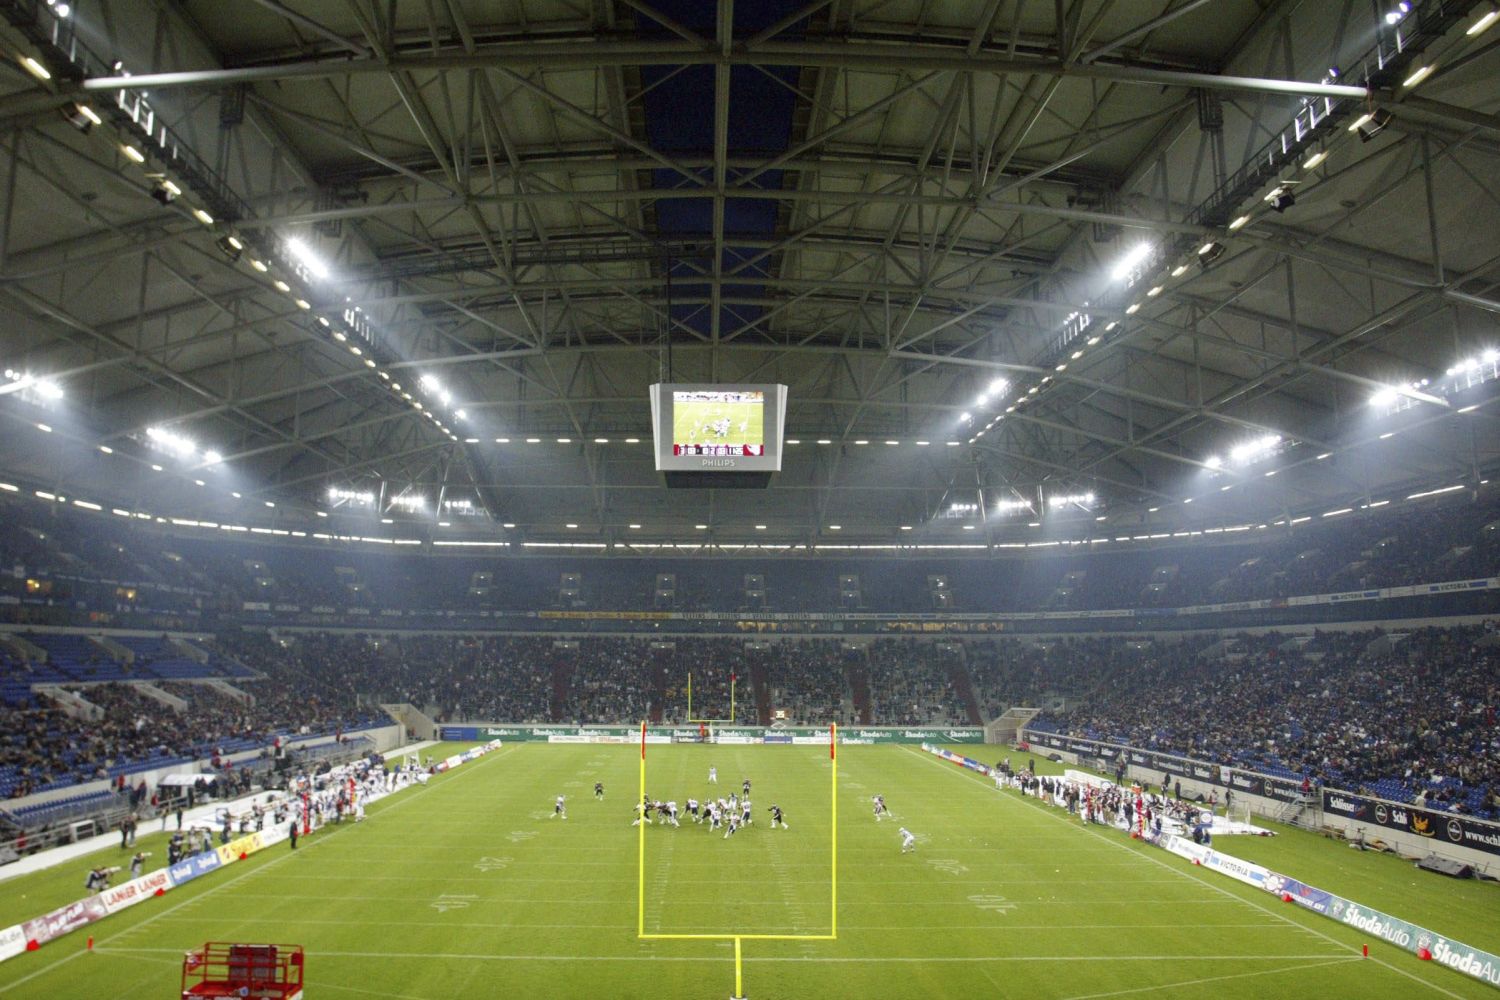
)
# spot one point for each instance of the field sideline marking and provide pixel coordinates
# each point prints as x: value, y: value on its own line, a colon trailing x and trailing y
x: 813, y: 959
x: 949, y: 931
x: 215, y: 888
x: 1219, y: 889
x: 1345, y: 960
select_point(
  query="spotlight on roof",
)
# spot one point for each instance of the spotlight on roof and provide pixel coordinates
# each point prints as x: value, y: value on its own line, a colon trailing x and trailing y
x: 1132, y: 259
x: 1281, y: 198
x: 80, y: 116
x: 165, y: 192
x: 230, y: 246
x: 1210, y: 252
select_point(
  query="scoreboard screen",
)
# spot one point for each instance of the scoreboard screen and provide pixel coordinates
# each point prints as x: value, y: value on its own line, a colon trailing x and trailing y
x: 718, y: 433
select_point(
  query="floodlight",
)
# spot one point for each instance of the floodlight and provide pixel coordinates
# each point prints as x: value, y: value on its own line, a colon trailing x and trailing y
x: 307, y: 257
x: 230, y: 247
x: 80, y: 116
x: 1132, y: 259
x: 1210, y: 252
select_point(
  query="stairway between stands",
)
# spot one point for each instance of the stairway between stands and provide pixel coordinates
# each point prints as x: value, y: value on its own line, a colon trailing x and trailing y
x: 958, y: 677
x: 857, y: 673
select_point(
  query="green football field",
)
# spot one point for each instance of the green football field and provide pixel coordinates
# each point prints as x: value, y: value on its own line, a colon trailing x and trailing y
x: 467, y: 889
x: 692, y: 418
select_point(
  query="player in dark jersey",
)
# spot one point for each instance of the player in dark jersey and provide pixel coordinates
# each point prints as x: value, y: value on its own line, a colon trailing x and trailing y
x: 746, y: 786
x: 778, y: 817
x: 598, y: 789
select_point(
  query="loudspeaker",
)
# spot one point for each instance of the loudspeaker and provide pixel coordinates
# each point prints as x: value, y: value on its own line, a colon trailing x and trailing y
x: 1453, y: 869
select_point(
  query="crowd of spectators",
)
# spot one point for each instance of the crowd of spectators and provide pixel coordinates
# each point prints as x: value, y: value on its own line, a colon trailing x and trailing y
x: 79, y: 560
x: 911, y: 684
x: 806, y: 679
x: 1410, y: 717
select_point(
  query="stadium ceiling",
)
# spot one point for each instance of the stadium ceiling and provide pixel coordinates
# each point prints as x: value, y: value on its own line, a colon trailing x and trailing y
x: 997, y: 249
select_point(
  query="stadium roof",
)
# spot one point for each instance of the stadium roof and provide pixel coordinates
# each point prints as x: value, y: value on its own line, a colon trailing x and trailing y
x: 1002, y: 253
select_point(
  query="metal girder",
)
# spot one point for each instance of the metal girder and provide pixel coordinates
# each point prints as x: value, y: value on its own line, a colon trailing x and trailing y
x: 846, y: 55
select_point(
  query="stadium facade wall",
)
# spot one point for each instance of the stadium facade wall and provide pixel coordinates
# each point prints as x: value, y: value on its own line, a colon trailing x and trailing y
x: 1409, y: 830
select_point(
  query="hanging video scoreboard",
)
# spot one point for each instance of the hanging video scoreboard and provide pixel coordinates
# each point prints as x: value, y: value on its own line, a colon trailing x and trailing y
x: 712, y: 436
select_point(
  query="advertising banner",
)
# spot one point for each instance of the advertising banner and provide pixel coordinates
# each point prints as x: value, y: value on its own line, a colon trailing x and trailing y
x: 63, y: 920
x: 132, y: 892
x: 12, y: 942
x: 959, y: 759
x: 724, y: 734
x: 1463, y: 831
x: 1302, y: 894
x: 190, y: 868
x: 1455, y: 955
x: 230, y: 852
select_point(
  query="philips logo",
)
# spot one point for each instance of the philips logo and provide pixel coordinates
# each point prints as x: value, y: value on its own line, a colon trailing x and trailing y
x: 716, y: 463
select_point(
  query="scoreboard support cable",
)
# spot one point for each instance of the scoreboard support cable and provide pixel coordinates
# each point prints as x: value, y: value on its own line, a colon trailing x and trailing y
x: 739, y: 939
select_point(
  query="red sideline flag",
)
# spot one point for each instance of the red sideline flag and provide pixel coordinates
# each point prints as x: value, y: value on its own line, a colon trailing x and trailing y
x: 833, y: 740
x: 643, y: 739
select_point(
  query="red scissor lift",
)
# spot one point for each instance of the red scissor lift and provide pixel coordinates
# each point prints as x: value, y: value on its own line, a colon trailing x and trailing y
x: 258, y: 971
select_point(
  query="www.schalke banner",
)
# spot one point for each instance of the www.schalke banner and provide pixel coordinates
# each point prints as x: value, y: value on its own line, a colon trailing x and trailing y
x: 1463, y: 831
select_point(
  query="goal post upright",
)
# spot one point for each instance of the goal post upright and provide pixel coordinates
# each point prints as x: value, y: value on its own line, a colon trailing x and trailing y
x: 640, y: 826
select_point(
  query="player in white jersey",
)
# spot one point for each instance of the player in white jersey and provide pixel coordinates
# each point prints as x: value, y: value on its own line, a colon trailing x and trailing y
x: 560, y: 809
x: 880, y: 810
x: 734, y: 824
x: 908, y: 841
x: 714, y: 812
x: 745, y: 819
x: 672, y: 812
x: 692, y: 805
x: 713, y: 776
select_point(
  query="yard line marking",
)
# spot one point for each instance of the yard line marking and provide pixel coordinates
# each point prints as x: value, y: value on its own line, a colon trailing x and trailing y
x: 429, y: 879
x: 816, y: 959
x: 550, y: 901
x: 1216, y: 979
x: 748, y: 928
x: 229, y: 882
x: 1223, y: 891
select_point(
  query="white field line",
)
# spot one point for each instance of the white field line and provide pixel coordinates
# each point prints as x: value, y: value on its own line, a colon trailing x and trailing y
x: 747, y: 929
x: 757, y: 882
x: 429, y: 956
x: 218, y: 886
x: 1225, y: 892
x: 559, y: 901
x: 1215, y: 979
